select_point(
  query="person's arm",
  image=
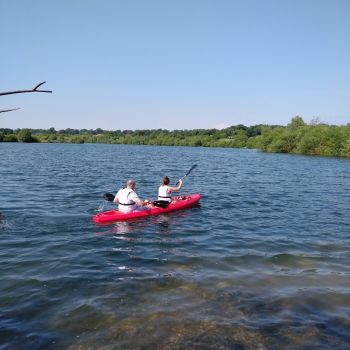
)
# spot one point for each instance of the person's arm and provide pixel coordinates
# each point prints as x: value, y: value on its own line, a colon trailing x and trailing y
x: 177, y: 188
x: 134, y: 197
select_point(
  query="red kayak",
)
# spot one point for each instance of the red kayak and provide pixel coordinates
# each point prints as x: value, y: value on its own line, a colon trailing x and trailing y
x: 178, y: 203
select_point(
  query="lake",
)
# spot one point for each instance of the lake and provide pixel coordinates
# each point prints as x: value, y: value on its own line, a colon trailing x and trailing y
x: 263, y: 263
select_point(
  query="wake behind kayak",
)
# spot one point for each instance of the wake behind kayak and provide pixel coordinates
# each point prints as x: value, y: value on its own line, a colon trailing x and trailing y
x: 178, y: 203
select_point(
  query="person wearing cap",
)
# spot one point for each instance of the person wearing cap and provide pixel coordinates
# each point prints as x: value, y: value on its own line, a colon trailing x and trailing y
x: 165, y: 191
x: 127, y: 199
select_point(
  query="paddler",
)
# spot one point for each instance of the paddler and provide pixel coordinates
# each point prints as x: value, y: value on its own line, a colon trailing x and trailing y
x: 127, y: 199
x: 165, y: 191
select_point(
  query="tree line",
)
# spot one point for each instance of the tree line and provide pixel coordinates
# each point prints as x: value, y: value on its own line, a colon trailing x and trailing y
x: 297, y: 137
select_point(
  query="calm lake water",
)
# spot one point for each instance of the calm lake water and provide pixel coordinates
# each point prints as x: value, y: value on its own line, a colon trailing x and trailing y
x: 263, y: 263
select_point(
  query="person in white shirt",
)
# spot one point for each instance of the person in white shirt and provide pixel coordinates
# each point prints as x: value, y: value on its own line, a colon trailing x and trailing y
x: 127, y: 199
x: 165, y: 191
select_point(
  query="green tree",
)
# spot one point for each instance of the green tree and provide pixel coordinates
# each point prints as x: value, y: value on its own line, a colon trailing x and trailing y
x: 25, y: 135
x: 10, y: 138
x: 285, y: 142
x: 296, y: 123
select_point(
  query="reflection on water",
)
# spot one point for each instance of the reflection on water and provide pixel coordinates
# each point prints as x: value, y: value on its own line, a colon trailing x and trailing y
x: 263, y: 263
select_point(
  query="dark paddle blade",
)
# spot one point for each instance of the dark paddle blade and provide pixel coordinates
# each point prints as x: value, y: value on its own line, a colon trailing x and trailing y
x: 109, y: 197
x: 161, y: 204
x: 192, y: 167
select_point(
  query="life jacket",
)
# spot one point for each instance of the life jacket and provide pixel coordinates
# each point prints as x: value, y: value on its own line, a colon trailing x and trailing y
x: 126, y: 205
x: 164, y: 194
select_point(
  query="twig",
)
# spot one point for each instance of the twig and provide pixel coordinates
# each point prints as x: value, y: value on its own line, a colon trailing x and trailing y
x: 35, y: 89
x: 9, y: 110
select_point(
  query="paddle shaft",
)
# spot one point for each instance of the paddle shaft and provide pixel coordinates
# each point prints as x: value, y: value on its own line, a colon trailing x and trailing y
x: 183, y: 178
x: 110, y: 198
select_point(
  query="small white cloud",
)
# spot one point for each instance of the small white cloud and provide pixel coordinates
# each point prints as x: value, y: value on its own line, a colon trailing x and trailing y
x: 221, y: 126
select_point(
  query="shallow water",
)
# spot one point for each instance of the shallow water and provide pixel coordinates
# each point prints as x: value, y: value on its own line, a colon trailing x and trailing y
x: 263, y: 263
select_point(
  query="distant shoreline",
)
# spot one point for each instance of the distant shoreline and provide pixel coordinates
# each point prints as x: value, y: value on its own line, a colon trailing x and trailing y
x: 295, y: 138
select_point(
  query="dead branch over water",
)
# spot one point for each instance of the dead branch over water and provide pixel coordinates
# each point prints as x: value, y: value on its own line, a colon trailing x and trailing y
x: 35, y: 89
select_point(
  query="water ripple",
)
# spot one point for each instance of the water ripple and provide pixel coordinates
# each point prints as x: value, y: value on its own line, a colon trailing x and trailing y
x: 263, y: 263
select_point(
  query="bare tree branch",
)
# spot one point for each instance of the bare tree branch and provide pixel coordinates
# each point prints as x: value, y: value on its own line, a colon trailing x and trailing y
x: 39, y: 85
x: 9, y: 110
x: 35, y: 89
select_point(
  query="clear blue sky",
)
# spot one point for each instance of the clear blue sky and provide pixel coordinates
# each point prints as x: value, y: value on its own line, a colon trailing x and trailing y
x: 180, y: 64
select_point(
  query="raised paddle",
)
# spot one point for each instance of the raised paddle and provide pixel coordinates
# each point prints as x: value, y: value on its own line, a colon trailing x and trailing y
x: 183, y: 178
